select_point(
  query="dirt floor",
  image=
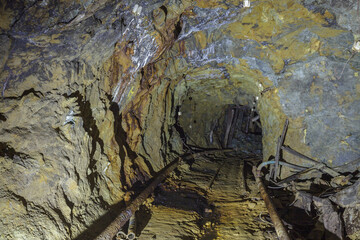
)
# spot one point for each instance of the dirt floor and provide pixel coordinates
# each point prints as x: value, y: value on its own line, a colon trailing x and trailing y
x: 211, y: 197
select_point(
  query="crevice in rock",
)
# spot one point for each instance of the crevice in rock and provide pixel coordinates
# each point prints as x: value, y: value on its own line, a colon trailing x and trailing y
x: 27, y: 92
x: 63, y: 220
x: 120, y: 137
x: 89, y: 124
x: 165, y: 11
x: 18, y: 198
x: 51, y: 213
x: 23, y: 11
x: 2, y: 117
x: 177, y: 30
x: 17, y: 157
x: 69, y: 204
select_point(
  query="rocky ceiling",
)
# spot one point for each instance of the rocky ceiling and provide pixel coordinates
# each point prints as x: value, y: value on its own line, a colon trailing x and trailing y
x: 93, y: 94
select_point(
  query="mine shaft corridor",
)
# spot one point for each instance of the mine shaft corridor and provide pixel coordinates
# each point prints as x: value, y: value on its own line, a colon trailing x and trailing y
x: 220, y: 187
x: 212, y: 194
x: 179, y: 119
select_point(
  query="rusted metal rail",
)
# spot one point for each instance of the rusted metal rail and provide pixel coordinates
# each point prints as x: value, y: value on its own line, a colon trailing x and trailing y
x: 278, y: 224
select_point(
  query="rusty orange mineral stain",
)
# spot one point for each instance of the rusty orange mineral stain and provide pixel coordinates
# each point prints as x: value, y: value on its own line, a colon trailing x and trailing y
x: 120, y: 69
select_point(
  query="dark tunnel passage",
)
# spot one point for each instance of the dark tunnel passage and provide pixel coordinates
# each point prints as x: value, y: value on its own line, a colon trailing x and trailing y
x: 220, y: 132
x: 236, y: 127
x: 210, y: 117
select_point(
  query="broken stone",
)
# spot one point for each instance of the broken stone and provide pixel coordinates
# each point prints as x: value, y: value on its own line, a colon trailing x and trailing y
x: 303, y: 200
x: 330, y: 218
x: 351, y: 218
x: 348, y: 197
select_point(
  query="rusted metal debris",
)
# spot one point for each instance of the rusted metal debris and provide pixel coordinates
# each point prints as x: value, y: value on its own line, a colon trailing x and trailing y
x: 330, y: 218
x: 274, y: 173
x: 318, y: 165
x: 278, y: 149
x: 295, y: 176
x: 328, y: 215
x: 278, y: 224
x: 320, y: 207
x: 348, y: 197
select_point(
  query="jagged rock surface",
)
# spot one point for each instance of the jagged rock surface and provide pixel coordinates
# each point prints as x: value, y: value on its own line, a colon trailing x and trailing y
x: 91, y: 93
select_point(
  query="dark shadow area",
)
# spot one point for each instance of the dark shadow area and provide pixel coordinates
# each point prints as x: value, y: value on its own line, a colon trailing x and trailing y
x: 6, y: 150
x: 2, y: 117
x: 241, y: 129
x: 38, y: 94
x: 181, y: 199
x: 17, y: 157
x: 120, y: 137
x: 143, y: 215
x: 89, y: 124
x: 100, y: 224
x: 177, y: 30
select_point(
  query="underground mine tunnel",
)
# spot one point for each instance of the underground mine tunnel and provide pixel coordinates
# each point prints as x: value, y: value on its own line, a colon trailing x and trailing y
x: 179, y: 119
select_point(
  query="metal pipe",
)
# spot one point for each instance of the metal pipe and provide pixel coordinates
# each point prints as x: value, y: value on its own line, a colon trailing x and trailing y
x: 121, y: 236
x: 132, y: 228
x: 124, y: 216
x: 285, y: 164
x: 278, y: 224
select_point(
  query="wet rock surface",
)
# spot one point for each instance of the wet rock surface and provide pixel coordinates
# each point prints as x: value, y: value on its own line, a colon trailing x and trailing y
x: 92, y: 91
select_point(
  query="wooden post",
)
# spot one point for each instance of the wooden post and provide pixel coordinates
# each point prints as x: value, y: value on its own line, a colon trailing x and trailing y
x: 278, y: 148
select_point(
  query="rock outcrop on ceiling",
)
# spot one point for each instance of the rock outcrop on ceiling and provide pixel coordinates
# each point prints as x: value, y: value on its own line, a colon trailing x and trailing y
x: 92, y: 90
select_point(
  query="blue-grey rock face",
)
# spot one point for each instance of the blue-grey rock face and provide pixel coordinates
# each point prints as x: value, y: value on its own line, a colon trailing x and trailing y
x: 328, y: 103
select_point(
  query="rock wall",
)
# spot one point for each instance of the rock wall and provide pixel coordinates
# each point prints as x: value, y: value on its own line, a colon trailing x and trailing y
x: 91, y: 92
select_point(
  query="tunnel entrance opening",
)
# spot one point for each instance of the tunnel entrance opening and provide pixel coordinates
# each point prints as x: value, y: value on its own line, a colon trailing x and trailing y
x: 241, y: 125
x: 211, y: 195
x: 235, y: 127
x: 207, y: 117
